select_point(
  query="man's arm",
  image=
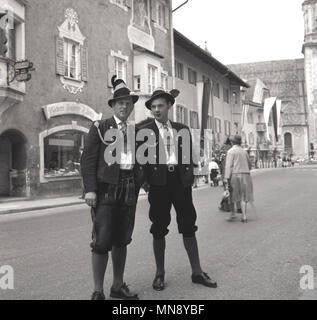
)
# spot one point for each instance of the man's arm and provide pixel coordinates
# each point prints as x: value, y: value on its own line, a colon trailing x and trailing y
x: 89, y: 160
x: 249, y: 162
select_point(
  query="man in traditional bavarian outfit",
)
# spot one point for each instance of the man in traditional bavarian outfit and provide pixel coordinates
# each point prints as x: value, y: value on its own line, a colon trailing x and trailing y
x: 170, y: 180
x: 112, y: 188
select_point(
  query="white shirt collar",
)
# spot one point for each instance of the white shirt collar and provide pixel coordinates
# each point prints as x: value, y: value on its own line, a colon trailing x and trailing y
x: 160, y: 124
x: 118, y: 121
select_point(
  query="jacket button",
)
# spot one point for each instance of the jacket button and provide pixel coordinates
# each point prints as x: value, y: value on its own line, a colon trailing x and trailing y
x: 155, y: 168
x: 140, y: 168
x: 187, y: 168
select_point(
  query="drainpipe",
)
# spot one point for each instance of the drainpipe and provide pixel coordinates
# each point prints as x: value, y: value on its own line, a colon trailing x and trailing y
x: 173, y: 53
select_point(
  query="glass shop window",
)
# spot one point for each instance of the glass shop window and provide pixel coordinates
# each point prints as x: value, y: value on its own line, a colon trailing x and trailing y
x: 62, y: 152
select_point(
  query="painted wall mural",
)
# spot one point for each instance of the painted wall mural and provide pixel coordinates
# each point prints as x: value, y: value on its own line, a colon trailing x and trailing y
x: 141, y: 15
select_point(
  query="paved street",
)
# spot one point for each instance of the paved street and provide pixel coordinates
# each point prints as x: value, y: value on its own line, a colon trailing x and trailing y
x: 49, y: 250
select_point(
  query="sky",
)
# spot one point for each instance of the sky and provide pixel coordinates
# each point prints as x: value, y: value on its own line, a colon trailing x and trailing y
x: 239, y: 31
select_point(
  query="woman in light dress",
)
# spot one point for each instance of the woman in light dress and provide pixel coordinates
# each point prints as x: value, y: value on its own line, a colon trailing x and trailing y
x: 237, y: 172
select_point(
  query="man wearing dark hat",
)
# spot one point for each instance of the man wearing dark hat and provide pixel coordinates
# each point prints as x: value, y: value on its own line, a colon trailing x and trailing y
x: 112, y: 188
x: 170, y: 178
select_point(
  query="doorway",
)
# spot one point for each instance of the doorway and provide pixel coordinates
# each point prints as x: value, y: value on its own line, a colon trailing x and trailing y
x: 288, y: 142
x: 13, y: 161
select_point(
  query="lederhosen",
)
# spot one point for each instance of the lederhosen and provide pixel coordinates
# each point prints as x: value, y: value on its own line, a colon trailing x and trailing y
x: 114, y: 216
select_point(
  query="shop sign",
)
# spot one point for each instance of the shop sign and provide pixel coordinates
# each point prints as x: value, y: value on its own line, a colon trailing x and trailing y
x: 61, y: 142
x: 66, y: 108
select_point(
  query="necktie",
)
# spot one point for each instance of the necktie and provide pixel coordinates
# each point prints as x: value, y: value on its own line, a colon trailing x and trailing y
x: 167, y: 139
x: 123, y: 129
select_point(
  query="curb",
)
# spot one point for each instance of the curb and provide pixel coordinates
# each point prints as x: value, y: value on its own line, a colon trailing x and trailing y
x: 60, y: 205
x: 18, y: 210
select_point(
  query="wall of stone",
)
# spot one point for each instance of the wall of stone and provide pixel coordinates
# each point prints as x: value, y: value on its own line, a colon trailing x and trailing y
x: 286, y: 80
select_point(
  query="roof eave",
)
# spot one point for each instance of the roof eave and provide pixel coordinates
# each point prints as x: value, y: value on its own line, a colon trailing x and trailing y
x: 181, y: 40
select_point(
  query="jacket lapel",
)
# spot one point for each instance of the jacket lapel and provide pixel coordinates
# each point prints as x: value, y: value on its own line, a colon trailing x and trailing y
x: 112, y: 123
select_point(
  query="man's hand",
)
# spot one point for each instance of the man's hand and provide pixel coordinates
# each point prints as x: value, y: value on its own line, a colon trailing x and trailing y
x: 226, y: 194
x: 91, y: 199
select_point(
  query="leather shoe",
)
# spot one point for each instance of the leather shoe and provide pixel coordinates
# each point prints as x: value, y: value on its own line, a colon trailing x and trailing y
x: 98, y: 296
x: 123, y: 293
x: 158, y: 283
x: 204, y: 279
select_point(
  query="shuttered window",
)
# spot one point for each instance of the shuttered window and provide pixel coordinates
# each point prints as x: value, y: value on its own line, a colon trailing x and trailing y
x: 226, y: 95
x: 152, y: 78
x: 71, y: 59
x: 160, y: 13
x: 218, y: 125
x: 181, y: 114
x: 192, y: 76
x: 164, y: 81
x: 116, y: 66
x: 179, y: 70
x: 194, y: 123
x: 121, y: 69
x: 216, y: 90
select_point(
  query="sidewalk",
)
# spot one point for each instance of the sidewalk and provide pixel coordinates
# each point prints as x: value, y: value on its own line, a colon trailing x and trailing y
x: 9, y: 205
x: 24, y: 205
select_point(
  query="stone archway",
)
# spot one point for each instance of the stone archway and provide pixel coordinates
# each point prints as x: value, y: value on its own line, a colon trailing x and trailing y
x: 13, y: 160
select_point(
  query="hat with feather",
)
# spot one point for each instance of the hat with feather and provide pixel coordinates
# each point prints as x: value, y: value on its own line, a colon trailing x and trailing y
x: 161, y: 93
x: 121, y: 91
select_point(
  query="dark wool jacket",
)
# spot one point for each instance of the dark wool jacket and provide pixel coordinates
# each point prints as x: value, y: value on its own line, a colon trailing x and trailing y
x: 95, y: 170
x: 156, y: 174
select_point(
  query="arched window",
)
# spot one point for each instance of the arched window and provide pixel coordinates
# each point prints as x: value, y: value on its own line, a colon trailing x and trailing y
x: 288, y: 141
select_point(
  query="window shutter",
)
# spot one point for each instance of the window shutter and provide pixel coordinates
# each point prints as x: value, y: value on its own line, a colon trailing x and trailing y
x: 128, y: 3
x: 60, y: 56
x: 111, y: 69
x: 153, y: 10
x: 186, y: 116
x: 169, y: 82
x: 84, y: 62
x: 167, y: 17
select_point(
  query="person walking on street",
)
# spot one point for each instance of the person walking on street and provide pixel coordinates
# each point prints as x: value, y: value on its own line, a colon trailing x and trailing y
x: 170, y: 183
x: 112, y: 190
x: 214, y: 170
x: 237, y: 173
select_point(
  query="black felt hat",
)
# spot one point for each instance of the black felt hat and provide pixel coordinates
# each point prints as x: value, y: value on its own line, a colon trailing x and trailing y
x: 161, y: 93
x: 121, y: 91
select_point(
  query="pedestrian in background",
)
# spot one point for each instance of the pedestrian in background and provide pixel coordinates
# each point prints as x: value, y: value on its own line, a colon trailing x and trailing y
x: 237, y: 173
x: 225, y: 203
x: 213, y: 170
x: 223, y: 154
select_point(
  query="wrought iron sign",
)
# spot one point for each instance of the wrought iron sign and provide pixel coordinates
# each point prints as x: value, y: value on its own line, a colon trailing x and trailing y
x: 20, y: 71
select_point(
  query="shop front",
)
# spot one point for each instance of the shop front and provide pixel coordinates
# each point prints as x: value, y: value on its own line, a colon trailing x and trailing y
x: 61, y: 145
